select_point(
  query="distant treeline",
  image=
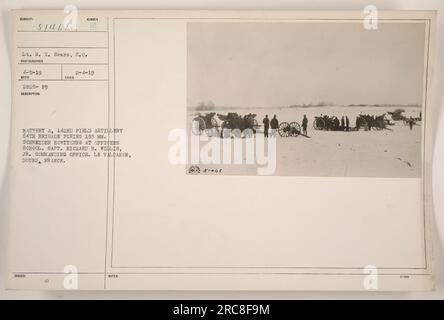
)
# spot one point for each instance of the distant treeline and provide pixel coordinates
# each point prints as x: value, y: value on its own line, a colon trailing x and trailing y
x: 386, y: 105
x: 210, y: 106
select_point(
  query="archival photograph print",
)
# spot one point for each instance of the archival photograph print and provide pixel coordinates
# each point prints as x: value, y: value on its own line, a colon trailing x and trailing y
x: 306, y: 98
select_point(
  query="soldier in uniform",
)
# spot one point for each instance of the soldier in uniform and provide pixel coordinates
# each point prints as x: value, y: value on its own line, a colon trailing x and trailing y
x: 411, y: 123
x: 274, y: 124
x: 266, y: 123
x: 304, y: 125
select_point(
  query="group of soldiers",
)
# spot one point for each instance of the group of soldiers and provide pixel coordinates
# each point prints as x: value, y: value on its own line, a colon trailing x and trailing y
x: 378, y: 122
x: 329, y: 123
x: 371, y: 121
x: 274, y: 124
x: 333, y: 123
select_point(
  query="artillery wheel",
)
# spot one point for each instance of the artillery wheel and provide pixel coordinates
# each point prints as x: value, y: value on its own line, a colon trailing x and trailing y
x: 284, y: 129
x: 225, y: 125
x: 363, y: 124
x: 198, y: 126
x: 378, y: 126
x: 214, y: 123
x: 228, y: 124
x: 319, y: 124
x: 295, y: 129
x: 335, y: 123
x: 213, y: 131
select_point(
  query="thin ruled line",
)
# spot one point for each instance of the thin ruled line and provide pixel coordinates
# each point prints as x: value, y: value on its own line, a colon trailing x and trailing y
x: 236, y: 273
x: 55, y: 273
x: 63, y: 80
x: 424, y: 174
x: 114, y: 125
x: 261, y: 267
x: 62, y: 47
x: 270, y: 19
x: 77, y: 31
x: 70, y: 63
x: 107, y: 174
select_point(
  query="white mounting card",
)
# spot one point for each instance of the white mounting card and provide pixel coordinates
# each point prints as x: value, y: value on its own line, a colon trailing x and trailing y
x: 221, y: 150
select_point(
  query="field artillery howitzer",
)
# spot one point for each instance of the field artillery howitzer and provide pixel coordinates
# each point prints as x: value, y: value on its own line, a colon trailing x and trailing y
x: 292, y: 129
x: 411, y: 121
x: 380, y: 122
x: 369, y: 122
x: 406, y: 121
x: 205, y: 123
x: 398, y: 115
x: 327, y: 123
x: 234, y: 121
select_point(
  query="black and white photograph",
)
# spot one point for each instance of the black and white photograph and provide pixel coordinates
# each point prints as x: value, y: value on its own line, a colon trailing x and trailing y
x: 339, y: 99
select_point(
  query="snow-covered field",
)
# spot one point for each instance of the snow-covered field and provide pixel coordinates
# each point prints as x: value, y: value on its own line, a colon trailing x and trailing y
x: 395, y: 152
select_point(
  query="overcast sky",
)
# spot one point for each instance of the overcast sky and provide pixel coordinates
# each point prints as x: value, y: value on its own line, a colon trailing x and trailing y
x: 257, y: 64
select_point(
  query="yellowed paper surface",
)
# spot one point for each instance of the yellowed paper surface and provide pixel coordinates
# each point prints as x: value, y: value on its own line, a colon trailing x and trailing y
x: 96, y: 201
